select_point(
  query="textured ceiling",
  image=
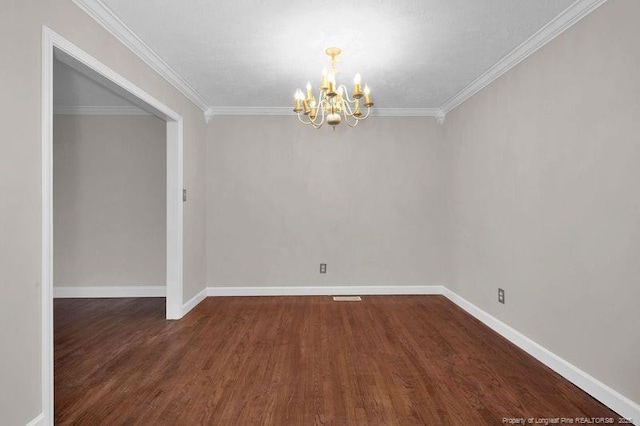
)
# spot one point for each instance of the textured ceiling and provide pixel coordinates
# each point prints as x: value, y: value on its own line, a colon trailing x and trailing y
x: 413, y: 53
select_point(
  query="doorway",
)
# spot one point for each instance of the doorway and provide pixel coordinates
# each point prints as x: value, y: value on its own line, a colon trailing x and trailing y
x: 56, y: 47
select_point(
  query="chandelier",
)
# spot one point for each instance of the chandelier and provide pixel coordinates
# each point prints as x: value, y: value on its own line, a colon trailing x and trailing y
x: 333, y: 102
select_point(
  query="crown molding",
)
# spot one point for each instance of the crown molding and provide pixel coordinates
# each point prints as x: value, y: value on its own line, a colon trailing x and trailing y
x: 242, y: 110
x: 565, y: 20
x: 378, y: 112
x: 105, y: 17
x: 99, y: 110
x: 406, y: 112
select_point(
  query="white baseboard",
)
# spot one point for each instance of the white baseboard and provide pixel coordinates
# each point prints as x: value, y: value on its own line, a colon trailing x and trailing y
x: 109, y: 291
x: 194, y: 301
x: 39, y: 420
x: 603, y: 393
x: 323, y: 291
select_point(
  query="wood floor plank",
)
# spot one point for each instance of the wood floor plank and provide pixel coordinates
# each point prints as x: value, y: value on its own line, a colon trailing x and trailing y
x: 388, y: 360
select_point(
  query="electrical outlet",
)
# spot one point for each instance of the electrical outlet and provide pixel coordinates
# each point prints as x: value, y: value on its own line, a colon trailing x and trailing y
x: 323, y: 268
x: 501, y: 296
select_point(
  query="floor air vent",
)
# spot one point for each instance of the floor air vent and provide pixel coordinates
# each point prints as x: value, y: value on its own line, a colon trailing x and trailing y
x: 347, y: 299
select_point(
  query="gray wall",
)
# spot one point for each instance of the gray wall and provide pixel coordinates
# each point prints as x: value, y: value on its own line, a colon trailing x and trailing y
x: 284, y: 197
x: 20, y: 181
x: 109, y: 200
x: 545, y: 196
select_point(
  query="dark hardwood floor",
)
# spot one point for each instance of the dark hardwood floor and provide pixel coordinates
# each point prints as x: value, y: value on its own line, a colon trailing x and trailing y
x: 388, y: 360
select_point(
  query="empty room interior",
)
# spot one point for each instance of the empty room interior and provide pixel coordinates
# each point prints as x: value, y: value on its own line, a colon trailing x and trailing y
x: 412, y: 212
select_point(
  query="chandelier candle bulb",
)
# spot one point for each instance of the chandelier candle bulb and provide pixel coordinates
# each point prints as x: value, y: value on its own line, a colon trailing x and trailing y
x: 367, y: 96
x: 309, y: 91
x: 331, y: 91
x: 357, y: 88
x: 298, y: 97
x: 357, y: 112
x: 324, y: 85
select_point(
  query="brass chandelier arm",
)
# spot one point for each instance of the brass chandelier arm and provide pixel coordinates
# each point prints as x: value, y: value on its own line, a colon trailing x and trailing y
x: 309, y: 123
x: 302, y: 121
x: 319, y: 112
x: 348, y: 105
x: 348, y: 109
x: 355, y: 121
x: 351, y: 113
x: 366, y: 115
x: 346, y: 94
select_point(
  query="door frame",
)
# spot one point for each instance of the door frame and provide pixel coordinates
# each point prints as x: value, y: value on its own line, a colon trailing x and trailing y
x: 56, y: 46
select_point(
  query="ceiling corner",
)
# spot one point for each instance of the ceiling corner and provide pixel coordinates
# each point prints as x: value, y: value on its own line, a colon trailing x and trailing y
x: 562, y: 22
